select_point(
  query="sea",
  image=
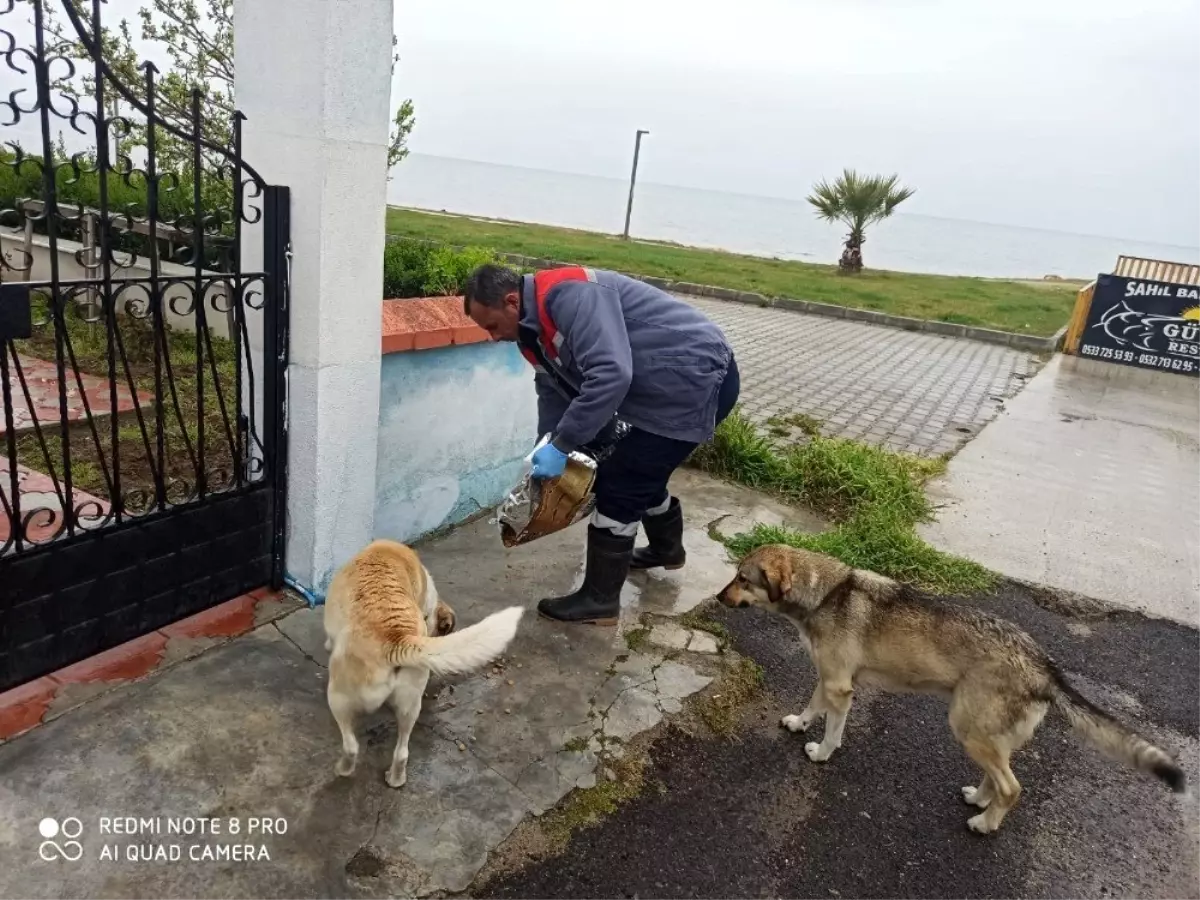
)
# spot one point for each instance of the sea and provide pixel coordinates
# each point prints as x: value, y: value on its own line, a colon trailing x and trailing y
x: 761, y: 226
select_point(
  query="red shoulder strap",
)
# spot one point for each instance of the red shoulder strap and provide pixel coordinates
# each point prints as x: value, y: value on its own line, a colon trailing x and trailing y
x: 543, y: 281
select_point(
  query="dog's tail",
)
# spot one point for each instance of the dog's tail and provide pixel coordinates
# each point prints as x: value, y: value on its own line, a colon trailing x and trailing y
x: 1112, y: 738
x: 462, y: 651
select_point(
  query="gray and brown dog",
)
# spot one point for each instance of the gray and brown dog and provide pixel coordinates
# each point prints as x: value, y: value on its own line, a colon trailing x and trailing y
x: 863, y: 629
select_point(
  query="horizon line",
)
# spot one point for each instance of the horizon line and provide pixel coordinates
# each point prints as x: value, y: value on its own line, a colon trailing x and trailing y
x: 712, y: 190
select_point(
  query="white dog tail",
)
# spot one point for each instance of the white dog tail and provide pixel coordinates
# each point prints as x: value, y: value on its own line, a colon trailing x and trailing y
x: 462, y: 651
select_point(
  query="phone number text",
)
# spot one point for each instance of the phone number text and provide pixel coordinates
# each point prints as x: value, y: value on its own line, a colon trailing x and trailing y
x: 1143, y: 359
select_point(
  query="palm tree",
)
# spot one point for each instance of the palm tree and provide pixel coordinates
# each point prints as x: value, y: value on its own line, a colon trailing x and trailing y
x: 857, y: 201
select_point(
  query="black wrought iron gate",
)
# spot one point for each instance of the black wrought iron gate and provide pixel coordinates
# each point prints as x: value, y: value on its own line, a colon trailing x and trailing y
x: 143, y: 438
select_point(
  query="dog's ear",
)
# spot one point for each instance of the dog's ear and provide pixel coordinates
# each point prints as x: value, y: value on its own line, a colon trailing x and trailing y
x: 777, y: 574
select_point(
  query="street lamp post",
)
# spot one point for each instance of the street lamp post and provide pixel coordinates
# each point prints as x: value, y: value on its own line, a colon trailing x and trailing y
x: 637, y: 146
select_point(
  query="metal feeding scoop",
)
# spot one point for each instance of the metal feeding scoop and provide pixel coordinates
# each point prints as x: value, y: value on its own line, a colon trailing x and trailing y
x: 536, y: 508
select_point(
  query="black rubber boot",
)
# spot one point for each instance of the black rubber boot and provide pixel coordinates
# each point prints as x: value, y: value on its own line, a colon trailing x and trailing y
x: 598, y: 600
x: 665, y: 534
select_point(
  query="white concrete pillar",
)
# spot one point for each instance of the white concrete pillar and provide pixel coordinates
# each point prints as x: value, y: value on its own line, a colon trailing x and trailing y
x: 314, y: 82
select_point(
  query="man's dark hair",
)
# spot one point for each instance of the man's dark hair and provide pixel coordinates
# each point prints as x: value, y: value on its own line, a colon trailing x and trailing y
x: 489, y: 284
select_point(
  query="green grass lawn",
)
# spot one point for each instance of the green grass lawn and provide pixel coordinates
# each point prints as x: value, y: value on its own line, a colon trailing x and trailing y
x: 1038, y: 308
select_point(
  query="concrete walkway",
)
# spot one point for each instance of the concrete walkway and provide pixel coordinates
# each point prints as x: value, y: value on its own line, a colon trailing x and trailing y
x: 920, y: 393
x: 1089, y: 482
x: 243, y: 733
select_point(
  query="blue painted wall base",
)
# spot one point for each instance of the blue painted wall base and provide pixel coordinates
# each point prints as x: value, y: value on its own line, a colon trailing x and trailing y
x: 454, y: 425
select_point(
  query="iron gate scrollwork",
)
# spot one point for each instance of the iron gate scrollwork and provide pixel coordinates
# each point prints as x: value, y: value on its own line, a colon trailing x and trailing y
x: 143, y: 439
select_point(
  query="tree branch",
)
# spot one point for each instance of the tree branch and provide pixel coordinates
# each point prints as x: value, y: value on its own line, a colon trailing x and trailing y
x: 190, y: 30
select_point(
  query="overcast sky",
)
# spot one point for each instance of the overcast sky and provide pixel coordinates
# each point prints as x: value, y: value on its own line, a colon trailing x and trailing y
x: 1075, y: 115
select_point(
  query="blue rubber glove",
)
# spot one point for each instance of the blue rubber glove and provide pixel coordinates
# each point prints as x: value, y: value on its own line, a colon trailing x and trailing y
x: 548, y: 462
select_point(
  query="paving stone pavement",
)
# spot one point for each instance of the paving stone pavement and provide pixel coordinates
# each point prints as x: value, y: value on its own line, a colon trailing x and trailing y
x: 920, y: 393
x: 86, y: 396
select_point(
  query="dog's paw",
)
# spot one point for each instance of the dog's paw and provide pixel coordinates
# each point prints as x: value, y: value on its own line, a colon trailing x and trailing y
x: 816, y: 753
x: 971, y: 795
x: 328, y: 645
x: 345, y: 765
x: 397, y: 776
x: 795, y: 724
x: 980, y: 824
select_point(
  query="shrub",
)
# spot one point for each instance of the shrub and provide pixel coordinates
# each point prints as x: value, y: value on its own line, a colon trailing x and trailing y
x: 413, y: 269
x: 78, y: 186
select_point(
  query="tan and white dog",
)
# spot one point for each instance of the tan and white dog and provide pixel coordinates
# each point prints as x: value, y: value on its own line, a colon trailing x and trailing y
x: 387, y: 631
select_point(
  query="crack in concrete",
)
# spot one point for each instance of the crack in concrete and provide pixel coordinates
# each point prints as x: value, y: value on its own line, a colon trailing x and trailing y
x: 312, y: 659
x: 525, y: 769
x: 389, y: 800
x: 386, y: 803
x: 558, y: 761
x: 529, y: 800
x: 604, y: 712
x: 658, y: 698
x: 458, y: 742
x: 599, y: 734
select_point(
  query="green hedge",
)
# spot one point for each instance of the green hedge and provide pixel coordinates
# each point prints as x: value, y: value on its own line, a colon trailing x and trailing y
x: 75, y: 188
x: 410, y: 268
x: 418, y: 269
x: 83, y: 188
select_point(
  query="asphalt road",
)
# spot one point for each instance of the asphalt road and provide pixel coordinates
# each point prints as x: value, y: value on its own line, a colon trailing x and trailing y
x: 752, y: 817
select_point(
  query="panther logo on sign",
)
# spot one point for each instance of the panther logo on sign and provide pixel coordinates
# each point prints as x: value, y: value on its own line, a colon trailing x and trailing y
x: 1153, y: 333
